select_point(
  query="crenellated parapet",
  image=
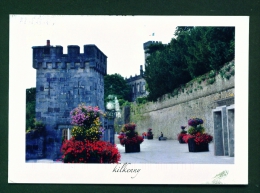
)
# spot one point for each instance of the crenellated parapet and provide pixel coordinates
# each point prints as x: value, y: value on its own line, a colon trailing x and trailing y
x: 147, y: 44
x: 52, y: 56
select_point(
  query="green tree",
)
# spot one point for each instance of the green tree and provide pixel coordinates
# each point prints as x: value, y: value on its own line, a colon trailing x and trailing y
x: 30, y: 107
x: 115, y: 84
x: 193, y: 52
x: 208, y: 48
x: 166, y: 70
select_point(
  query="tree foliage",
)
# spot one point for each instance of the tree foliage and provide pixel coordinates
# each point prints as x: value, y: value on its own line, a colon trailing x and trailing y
x: 115, y: 84
x: 30, y: 107
x: 194, y: 51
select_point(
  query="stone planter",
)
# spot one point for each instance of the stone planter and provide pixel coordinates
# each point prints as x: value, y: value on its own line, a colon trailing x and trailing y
x: 193, y: 147
x: 131, y: 148
x: 150, y: 137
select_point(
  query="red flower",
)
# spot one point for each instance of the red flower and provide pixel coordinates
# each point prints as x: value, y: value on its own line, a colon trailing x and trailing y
x: 198, y: 138
x: 181, y: 135
x: 81, y: 152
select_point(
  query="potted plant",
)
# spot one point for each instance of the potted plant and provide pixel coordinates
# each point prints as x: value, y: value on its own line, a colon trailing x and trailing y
x: 76, y: 151
x: 182, y: 134
x: 196, y: 138
x: 149, y: 134
x: 130, y: 138
x: 144, y: 134
x: 85, y: 145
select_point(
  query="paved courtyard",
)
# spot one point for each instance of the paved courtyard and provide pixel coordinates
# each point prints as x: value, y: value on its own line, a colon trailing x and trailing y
x: 171, y: 152
x: 168, y: 152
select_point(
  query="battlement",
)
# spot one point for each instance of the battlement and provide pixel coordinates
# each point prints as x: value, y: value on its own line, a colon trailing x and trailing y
x: 147, y: 44
x: 53, y: 57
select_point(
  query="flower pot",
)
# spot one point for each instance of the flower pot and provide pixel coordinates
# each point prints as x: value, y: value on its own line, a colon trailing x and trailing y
x: 150, y: 137
x: 93, y: 160
x: 193, y: 147
x: 181, y: 140
x: 130, y: 148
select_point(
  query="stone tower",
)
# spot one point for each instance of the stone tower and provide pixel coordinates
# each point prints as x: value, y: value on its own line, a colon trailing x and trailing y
x: 63, y: 81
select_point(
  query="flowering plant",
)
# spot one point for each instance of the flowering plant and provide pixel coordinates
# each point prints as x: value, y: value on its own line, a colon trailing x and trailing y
x: 194, y: 130
x: 195, y: 121
x: 149, y: 133
x: 128, y: 135
x: 87, y: 124
x: 198, y: 138
x: 85, y: 115
x: 85, y: 146
x: 129, y: 127
x: 183, y: 127
x: 130, y: 141
x: 181, y: 135
x: 144, y: 134
x: 197, y: 132
x: 75, y: 151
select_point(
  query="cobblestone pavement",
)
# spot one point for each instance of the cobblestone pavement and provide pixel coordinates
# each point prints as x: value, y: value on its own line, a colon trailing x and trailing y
x: 171, y: 152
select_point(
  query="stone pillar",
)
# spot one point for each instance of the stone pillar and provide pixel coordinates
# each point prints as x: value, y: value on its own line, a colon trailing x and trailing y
x: 231, y: 127
x: 218, y: 136
x: 225, y: 130
x: 220, y: 131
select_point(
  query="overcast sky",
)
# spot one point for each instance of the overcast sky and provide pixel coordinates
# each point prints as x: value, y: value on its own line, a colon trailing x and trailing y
x: 120, y: 38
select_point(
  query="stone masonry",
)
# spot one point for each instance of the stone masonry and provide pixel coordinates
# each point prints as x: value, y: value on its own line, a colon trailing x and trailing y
x: 63, y: 81
x: 168, y: 114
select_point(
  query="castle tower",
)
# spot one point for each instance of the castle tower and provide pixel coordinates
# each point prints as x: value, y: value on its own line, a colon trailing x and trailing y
x: 146, y: 47
x: 63, y: 81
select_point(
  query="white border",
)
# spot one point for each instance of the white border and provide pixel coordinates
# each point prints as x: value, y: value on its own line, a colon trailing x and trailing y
x: 21, y: 172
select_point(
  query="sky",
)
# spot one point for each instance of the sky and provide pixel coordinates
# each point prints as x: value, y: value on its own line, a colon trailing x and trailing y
x: 120, y: 38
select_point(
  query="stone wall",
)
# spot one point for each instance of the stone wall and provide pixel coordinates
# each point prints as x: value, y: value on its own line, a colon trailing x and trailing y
x: 197, y: 99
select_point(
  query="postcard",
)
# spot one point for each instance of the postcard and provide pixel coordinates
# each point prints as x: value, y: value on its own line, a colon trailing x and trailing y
x: 128, y: 99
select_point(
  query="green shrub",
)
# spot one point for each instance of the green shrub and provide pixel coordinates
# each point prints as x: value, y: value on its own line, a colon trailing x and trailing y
x: 232, y: 72
x: 203, y: 78
x: 211, y: 80
x: 199, y: 80
x: 212, y: 74
x: 141, y: 100
x: 227, y: 76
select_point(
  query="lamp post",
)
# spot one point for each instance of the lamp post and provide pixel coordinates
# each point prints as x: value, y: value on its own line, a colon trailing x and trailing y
x: 110, y: 114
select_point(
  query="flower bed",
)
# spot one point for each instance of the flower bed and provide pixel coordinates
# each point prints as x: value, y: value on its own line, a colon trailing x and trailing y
x: 85, y: 146
x: 86, y: 151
